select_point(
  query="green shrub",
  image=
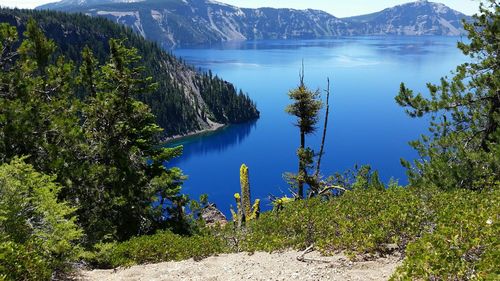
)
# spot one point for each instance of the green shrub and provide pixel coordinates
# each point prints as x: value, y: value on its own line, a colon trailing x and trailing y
x: 160, y: 247
x: 463, y: 240
x: 23, y: 262
x: 37, y: 233
x: 360, y: 221
x: 445, y: 235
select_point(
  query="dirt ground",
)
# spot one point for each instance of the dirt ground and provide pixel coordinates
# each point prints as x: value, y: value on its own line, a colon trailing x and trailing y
x: 257, y: 266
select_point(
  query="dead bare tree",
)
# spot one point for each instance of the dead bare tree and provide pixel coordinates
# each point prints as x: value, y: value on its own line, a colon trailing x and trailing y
x: 321, y: 151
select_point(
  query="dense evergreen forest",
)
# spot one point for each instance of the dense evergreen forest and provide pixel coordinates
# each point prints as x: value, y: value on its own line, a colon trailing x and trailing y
x: 184, y: 100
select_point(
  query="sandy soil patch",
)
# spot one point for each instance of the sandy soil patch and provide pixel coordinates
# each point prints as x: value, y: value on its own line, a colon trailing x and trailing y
x: 257, y: 266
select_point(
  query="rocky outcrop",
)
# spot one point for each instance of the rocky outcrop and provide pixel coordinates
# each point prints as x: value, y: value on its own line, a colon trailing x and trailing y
x: 417, y: 18
x: 213, y: 216
x: 72, y: 3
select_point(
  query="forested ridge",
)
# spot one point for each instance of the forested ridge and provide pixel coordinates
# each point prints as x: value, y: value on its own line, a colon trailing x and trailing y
x: 185, y: 99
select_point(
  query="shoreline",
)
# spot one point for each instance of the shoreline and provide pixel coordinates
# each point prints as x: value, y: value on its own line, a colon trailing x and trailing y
x: 213, y: 128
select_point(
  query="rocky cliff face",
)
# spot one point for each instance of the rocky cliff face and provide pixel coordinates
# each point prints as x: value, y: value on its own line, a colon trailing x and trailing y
x: 72, y: 3
x: 191, y: 22
x: 417, y: 18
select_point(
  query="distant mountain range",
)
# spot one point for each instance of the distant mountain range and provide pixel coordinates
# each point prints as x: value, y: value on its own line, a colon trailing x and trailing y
x: 192, y: 22
x: 69, y: 3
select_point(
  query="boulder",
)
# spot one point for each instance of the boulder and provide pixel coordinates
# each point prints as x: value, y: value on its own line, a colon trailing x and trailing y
x: 213, y: 216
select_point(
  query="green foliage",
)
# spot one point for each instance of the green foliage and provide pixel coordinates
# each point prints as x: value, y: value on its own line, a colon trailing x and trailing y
x: 38, y: 234
x: 366, y: 178
x: 305, y: 107
x: 103, y: 148
x: 360, y: 221
x: 463, y: 241
x: 280, y: 203
x: 162, y: 246
x: 121, y: 134
x: 444, y: 235
x: 196, y: 207
x: 38, y: 113
x: 23, y: 262
x: 463, y: 150
x: 176, y: 108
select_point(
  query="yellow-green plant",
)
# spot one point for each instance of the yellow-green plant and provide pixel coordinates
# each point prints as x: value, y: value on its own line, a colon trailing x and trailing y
x: 255, y: 210
x: 240, y: 216
x: 245, y: 211
x: 279, y: 203
x: 245, y: 190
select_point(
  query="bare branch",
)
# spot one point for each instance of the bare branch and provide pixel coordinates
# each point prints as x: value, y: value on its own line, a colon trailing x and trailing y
x: 305, y: 252
x: 318, y: 164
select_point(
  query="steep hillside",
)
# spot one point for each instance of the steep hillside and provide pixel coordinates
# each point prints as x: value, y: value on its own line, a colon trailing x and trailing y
x: 191, y: 22
x: 67, y: 3
x: 417, y: 18
x: 185, y: 101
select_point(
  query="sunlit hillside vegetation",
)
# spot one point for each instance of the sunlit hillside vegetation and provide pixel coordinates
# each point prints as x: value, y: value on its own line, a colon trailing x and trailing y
x: 84, y: 179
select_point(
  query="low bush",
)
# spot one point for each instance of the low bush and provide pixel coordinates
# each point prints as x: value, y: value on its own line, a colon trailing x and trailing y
x: 23, y: 262
x: 443, y: 235
x: 162, y: 246
x: 362, y: 221
x: 462, y: 241
x: 38, y: 234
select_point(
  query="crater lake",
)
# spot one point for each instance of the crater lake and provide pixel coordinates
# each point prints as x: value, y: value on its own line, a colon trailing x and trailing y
x: 366, y: 125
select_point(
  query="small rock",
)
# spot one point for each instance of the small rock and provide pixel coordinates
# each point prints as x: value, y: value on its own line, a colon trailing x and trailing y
x: 213, y: 216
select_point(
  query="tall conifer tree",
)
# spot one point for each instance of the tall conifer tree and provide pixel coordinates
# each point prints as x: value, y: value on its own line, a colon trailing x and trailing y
x: 128, y: 169
x: 463, y: 150
x: 306, y: 106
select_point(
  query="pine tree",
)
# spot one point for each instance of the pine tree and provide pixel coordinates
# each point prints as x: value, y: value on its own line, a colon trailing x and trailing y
x: 463, y: 150
x: 306, y: 106
x: 127, y: 166
x: 103, y: 149
x: 38, y: 112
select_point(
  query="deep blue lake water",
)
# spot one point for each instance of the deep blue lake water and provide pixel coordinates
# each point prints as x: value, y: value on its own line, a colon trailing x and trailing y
x: 366, y: 125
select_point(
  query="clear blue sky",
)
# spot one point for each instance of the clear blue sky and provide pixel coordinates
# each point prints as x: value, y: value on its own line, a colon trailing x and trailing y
x: 346, y: 8
x: 339, y: 8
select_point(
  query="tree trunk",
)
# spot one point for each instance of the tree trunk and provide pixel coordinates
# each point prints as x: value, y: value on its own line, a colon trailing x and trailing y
x: 325, y: 126
x: 302, y: 169
x: 491, y: 126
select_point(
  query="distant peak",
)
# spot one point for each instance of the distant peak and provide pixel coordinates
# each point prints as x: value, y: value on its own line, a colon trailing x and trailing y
x: 418, y: 2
